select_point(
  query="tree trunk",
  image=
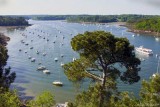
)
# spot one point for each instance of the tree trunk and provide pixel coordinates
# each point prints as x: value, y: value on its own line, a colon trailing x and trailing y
x: 103, y: 87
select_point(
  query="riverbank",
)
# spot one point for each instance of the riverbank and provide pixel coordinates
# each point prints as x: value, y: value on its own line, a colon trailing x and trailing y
x: 109, y: 23
x: 146, y: 32
x: 3, y: 39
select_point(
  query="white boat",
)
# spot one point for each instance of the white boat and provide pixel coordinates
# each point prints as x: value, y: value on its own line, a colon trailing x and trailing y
x: 154, y: 75
x: 56, y: 59
x: 74, y: 59
x: 44, y: 54
x: 25, y: 52
x: 46, y: 71
x: 33, y: 60
x: 62, y: 64
x: 143, y: 50
x: 157, y: 39
x: 41, y: 68
x: 57, y: 83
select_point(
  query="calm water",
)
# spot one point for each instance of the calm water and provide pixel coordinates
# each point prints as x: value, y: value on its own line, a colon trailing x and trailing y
x: 31, y: 82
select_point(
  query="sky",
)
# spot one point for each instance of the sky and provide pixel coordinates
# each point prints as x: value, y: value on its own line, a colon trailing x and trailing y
x: 75, y: 7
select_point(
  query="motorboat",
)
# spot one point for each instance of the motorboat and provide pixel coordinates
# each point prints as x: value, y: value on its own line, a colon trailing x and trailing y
x: 57, y: 83
x: 143, y: 50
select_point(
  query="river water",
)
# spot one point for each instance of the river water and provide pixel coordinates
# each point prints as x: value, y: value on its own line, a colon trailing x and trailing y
x: 30, y: 82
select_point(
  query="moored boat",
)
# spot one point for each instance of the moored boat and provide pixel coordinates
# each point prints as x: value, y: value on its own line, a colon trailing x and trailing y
x: 143, y: 50
x: 58, y: 83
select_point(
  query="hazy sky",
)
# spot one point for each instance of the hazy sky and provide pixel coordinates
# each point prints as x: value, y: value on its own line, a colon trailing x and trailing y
x: 104, y: 7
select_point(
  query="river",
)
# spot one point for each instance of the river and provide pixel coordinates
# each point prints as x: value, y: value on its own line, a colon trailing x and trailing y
x: 30, y: 82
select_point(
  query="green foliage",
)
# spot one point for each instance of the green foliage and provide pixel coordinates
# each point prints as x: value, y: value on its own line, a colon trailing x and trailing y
x: 9, y: 99
x: 152, y: 24
x: 11, y: 21
x: 3, y: 56
x: 124, y: 99
x: 75, y: 70
x: 149, y: 95
x: 108, y: 18
x: 102, y: 51
x: 50, y: 17
x: 92, y: 18
x: 6, y: 78
x: 91, y: 97
x: 46, y: 99
x: 150, y: 92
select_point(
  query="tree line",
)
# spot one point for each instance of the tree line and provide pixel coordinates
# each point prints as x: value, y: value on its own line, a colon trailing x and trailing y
x: 152, y: 24
x: 13, y: 21
x: 94, y: 18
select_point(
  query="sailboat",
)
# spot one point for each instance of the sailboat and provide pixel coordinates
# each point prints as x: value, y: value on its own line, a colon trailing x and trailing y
x: 154, y: 75
x: 56, y: 59
x: 62, y: 64
x: 58, y: 82
x: 46, y: 71
x: 74, y: 59
x: 33, y: 60
x: 41, y: 68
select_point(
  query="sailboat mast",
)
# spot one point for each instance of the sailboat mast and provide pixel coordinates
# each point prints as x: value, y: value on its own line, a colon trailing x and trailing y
x: 158, y: 64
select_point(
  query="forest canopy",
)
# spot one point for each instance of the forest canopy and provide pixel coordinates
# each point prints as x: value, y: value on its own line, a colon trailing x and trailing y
x: 12, y: 21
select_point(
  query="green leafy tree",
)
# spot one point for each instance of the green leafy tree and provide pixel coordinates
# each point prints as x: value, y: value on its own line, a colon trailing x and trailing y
x: 46, y: 99
x: 149, y: 95
x: 102, y: 51
x: 9, y: 99
x: 150, y: 92
x: 6, y: 77
x: 3, y: 56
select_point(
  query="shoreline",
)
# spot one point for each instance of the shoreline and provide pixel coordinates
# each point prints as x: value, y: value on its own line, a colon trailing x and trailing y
x: 145, y: 32
x: 110, y: 23
x: 4, y: 39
